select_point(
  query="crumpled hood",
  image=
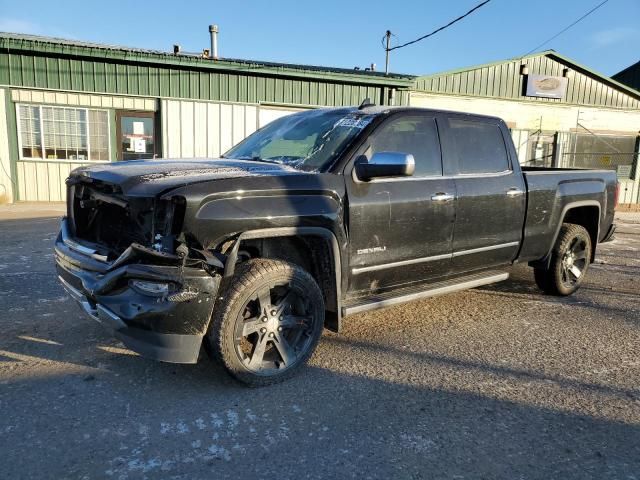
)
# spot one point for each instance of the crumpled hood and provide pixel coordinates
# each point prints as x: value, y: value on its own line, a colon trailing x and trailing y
x: 151, y: 177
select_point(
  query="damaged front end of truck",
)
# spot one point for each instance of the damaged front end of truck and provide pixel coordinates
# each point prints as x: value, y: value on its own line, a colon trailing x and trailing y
x: 124, y: 259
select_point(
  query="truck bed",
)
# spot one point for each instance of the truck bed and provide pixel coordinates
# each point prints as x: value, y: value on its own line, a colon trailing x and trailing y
x: 551, y: 191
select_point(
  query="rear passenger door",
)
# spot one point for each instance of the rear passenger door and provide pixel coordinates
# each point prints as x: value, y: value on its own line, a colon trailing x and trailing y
x: 491, y: 196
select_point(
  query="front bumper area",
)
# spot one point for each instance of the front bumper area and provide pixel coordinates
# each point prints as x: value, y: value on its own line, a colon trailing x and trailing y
x: 168, y: 328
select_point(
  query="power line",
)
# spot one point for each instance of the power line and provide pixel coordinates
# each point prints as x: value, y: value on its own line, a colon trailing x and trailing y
x: 441, y: 28
x: 567, y: 28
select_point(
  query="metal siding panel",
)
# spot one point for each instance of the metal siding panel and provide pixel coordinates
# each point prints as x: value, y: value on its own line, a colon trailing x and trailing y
x: 4, y: 70
x: 152, y: 80
x: 183, y: 84
x: 15, y: 73
x: 250, y: 119
x: 42, y: 176
x: 86, y: 76
x: 470, y: 83
x: 203, y: 86
x: 100, y: 77
x: 591, y: 90
x: 491, y: 82
x: 226, y: 130
x: 22, y: 183
x: 252, y: 96
x: 299, y: 86
x: 306, y: 93
x: 53, y: 73
x: 214, y: 86
x: 238, y: 123
x: 53, y: 187
x: 200, y: 130
x: 510, y: 79
x: 194, y: 85
x: 331, y: 92
x: 186, y: 129
x: 549, y: 67
x: 30, y: 182
x: 314, y: 93
x: 37, y: 78
x: 213, y: 130
x: 121, y: 79
x: 110, y: 77
x: 270, y: 90
x: 599, y: 93
x: 287, y: 91
x: 242, y: 89
x: 173, y: 121
x: 571, y: 89
x: 608, y: 92
x: 7, y: 172
x: 143, y: 80
x: 224, y: 87
x: 173, y: 83
x: 584, y: 90
x: 477, y: 82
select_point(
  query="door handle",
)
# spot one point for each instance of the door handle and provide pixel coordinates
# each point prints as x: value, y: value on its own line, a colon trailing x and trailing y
x: 442, y: 197
x: 514, y: 192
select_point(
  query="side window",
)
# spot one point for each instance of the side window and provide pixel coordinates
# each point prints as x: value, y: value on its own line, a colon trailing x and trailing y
x: 414, y: 134
x: 478, y: 146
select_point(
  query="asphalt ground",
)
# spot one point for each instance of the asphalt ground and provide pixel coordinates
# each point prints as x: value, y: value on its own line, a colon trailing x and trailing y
x: 496, y: 382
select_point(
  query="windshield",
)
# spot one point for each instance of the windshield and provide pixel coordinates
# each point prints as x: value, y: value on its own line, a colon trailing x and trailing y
x: 309, y: 140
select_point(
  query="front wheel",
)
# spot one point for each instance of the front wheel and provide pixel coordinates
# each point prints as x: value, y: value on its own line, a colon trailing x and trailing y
x: 267, y: 322
x: 569, y: 263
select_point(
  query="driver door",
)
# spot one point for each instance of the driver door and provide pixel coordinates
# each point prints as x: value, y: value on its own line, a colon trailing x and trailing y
x: 401, y: 228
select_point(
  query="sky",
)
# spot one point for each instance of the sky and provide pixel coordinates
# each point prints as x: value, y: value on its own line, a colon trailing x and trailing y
x: 343, y: 33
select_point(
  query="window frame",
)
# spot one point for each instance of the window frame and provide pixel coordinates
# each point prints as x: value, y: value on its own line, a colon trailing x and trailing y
x: 450, y: 160
x: 363, y: 149
x: 39, y: 106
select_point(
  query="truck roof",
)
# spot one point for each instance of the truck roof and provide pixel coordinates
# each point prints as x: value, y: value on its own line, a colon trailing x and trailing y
x: 382, y: 109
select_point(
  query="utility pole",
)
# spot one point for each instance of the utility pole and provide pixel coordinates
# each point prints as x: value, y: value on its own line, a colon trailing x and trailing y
x: 386, y: 61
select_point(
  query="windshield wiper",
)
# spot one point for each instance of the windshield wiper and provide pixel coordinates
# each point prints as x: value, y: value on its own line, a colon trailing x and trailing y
x: 255, y: 158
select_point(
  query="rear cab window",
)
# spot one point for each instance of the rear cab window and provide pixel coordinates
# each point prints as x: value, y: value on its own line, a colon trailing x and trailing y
x: 475, y: 147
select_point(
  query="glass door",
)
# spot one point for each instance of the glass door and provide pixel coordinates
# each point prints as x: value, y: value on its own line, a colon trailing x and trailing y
x: 136, y: 135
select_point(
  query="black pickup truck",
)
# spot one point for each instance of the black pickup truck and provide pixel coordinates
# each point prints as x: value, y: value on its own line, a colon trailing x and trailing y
x: 314, y: 217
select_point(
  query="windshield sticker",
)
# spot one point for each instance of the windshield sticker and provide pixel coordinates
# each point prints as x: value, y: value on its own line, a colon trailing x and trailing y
x: 353, y: 122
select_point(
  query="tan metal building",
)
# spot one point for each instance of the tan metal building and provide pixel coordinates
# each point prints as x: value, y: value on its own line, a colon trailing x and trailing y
x: 561, y: 113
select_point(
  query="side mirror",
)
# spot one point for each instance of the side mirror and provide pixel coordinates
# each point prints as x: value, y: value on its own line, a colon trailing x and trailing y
x: 385, y: 164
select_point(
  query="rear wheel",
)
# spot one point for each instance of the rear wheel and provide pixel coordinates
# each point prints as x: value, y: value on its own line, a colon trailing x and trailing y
x: 569, y: 263
x: 268, y: 321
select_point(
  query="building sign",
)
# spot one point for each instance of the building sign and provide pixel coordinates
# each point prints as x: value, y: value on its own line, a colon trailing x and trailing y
x: 624, y: 172
x: 545, y: 86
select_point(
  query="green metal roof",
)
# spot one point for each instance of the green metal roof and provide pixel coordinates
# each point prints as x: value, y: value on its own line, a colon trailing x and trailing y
x: 13, y: 42
x: 502, y: 79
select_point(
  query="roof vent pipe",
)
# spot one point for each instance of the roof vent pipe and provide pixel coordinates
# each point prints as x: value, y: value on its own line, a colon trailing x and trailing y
x: 213, y: 32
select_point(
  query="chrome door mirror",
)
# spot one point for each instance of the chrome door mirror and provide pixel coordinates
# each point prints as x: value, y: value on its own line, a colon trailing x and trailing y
x: 385, y: 164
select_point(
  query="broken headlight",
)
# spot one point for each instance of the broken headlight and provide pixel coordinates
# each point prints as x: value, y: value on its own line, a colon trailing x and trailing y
x: 154, y: 289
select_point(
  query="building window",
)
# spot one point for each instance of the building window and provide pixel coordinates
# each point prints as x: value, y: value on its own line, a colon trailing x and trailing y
x: 63, y: 133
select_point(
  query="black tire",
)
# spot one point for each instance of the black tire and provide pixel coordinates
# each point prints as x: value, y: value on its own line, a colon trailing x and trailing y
x: 263, y: 339
x: 570, y: 259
